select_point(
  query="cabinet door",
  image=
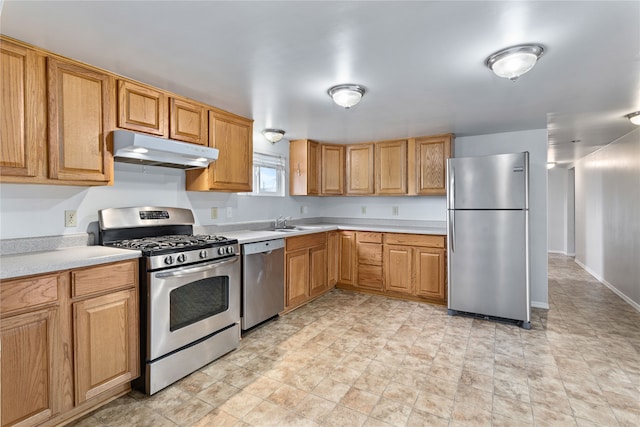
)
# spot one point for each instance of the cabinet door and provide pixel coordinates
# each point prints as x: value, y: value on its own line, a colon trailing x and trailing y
x: 313, y: 168
x: 142, y: 109
x: 297, y: 277
x: 304, y: 167
x: 332, y: 169
x: 391, y: 167
x: 333, y: 255
x: 347, y: 271
x: 429, y: 266
x: 397, y: 268
x: 360, y: 178
x: 105, y: 342
x: 317, y: 270
x: 80, y: 117
x: 233, y: 171
x: 188, y: 122
x: 432, y: 154
x: 22, y: 111
x: 28, y: 343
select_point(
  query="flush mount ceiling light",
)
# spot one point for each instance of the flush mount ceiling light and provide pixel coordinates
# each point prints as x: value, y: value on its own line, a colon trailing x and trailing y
x: 514, y: 61
x: 634, y: 117
x: 273, y: 135
x: 346, y: 95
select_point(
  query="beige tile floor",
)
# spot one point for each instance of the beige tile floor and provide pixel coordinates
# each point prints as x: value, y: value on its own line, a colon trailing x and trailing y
x: 349, y: 359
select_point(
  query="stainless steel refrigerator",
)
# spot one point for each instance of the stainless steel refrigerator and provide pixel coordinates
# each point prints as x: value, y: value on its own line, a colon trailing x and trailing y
x: 488, y: 237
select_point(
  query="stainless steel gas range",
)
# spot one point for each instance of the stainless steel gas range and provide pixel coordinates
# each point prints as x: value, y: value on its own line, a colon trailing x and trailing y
x: 189, y: 290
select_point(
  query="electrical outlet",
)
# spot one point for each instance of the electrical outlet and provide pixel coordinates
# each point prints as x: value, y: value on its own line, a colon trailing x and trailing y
x: 229, y: 212
x: 304, y: 209
x: 363, y: 210
x: 394, y: 210
x: 214, y: 213
x: 70, y: 219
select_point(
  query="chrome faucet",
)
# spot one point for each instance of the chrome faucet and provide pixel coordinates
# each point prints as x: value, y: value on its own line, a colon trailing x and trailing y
x: 281, y: 222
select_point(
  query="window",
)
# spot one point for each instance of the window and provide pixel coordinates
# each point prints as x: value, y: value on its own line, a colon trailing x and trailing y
x: 268, y: 175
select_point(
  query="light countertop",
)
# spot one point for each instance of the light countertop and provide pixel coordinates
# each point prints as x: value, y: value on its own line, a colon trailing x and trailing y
x: 26, y: 264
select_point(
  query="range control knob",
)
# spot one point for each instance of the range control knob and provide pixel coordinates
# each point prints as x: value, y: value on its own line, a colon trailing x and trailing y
x: 221, y: 251
x: 168, y: 260
x: 229, y: 249
x: 203, y: 254
x: 182, y: 258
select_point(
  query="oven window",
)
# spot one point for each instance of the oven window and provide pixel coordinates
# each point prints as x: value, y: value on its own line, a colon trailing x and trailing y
x: 197, y: 301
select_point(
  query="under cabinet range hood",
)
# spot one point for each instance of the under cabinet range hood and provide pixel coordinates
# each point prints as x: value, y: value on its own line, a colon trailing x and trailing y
x: 138, y: 148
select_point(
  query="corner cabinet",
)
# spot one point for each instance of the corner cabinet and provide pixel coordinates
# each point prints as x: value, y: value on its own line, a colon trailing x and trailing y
x: 81, y: 116
x: 69, y: 342
x: 233, y: 171
x: 304, y: 168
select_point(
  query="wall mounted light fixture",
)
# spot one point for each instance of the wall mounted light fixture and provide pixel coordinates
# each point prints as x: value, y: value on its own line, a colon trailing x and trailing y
x: 634, y: 117
x: 273, y: 135
x: 514, y: 61
x: 346, y: 95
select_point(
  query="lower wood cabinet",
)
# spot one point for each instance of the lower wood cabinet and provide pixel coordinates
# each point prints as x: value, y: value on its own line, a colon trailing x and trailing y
x: 63, y: 355
x: 333, y: 257
x: 347, y: 264
x: 369, y: 250
x: 305, y: 269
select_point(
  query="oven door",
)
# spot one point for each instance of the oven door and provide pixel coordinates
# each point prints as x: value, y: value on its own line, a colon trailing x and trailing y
x: 186, y: 304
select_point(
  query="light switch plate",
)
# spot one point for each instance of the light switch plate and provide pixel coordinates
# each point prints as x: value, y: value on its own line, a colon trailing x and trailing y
x: 363, y: 210
x: 394, y: 211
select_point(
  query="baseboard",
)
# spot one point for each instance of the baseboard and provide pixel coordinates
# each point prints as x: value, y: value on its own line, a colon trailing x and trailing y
x: 572, y: 254
x: 538, y: 304
x: 556, y: 252
x: 615, y: 290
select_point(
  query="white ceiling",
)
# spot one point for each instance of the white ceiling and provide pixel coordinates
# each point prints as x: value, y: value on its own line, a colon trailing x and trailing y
x: 421, y: 62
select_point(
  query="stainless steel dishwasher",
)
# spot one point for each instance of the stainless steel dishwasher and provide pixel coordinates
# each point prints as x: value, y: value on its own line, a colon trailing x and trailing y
x: 262, y: 281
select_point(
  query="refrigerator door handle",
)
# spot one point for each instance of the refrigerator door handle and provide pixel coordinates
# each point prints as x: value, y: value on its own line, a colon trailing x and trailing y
x: 452, y: 188
x: 452, y: 230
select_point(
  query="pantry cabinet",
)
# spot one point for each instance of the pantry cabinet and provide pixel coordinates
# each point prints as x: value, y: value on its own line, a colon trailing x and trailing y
x: 305, y: 268
x: 391, y: 167
x: 69, y: 340
x: 233, y: 171
x: 431, y: 154
x: 332, y: 170
x: 22, y: 111
x: 81, y: 116
x: 304, y: 168
x: 360, y: 169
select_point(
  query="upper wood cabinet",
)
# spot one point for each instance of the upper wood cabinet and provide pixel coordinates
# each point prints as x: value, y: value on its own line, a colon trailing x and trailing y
x: 188, y: 122
x: 22, y: 111
x: 332, y: 169
x: 304, y: 167
x: 233, y: 171
x: 142, y: 108
x: 81, y: 116
x: 391, y: 167
x: 360, y: 169
x: 431, y: 156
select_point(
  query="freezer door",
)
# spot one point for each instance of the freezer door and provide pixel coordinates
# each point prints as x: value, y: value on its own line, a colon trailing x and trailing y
x: 488, y: 182
x: 488, y: 263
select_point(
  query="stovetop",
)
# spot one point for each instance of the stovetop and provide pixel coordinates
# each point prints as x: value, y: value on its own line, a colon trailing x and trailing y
x: 172, y: 243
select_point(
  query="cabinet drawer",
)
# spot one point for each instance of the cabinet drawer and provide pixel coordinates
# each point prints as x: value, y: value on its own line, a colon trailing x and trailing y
x: 415, y: 240
x: 367, y: 236
x: 305, y: 241
x: 23, y: 293
x: 370, y: 253
x: 93, y: 280
x: 370, y: 276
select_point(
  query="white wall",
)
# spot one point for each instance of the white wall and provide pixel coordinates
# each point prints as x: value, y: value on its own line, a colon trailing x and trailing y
x: 607, y: 222
x: 557, y: 210
x: 535, y: 142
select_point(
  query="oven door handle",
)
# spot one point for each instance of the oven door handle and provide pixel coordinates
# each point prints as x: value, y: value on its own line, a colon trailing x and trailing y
x: 200, y: 268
